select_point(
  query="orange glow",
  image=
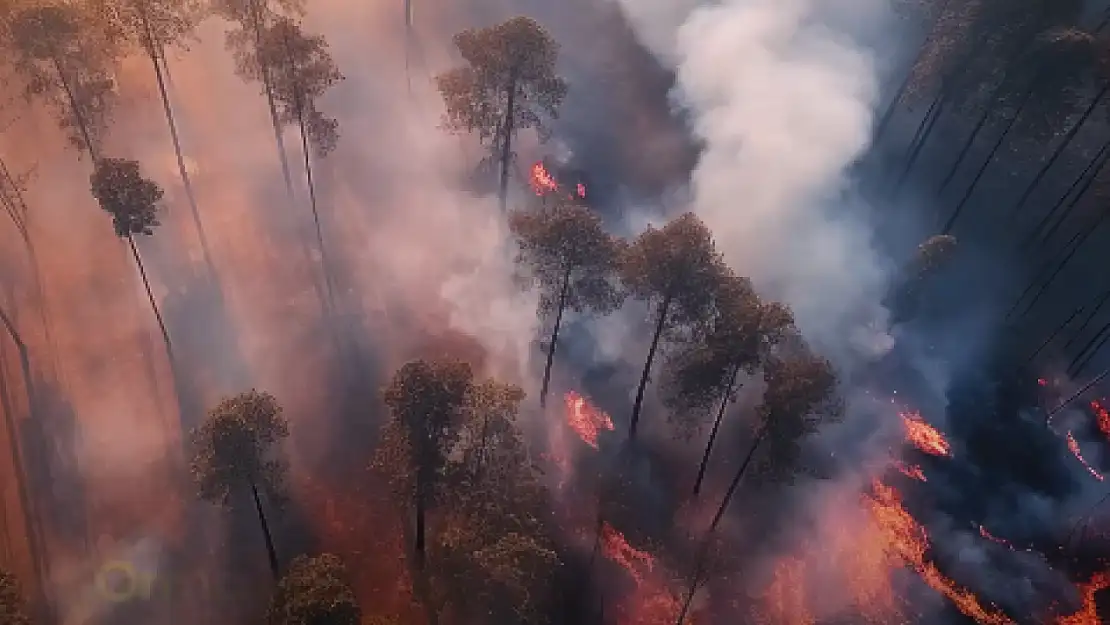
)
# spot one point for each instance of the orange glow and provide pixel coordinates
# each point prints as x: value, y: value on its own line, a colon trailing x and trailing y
x: 911, y: 471
x: 616, y: 548
x: 585, y: 419
x: 541, y: 180
x: 994, y: 539
x: 1102, y: 416
x: 909, y: 542
x: 581, y: 190
x: 786, y: 596
x: 1073, y: 446
x: 924, y: 436
x: 1042, y: 381
x: 1088, y: 614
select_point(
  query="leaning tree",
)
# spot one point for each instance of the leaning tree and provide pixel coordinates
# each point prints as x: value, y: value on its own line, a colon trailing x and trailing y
x: 237, y: 447
x: 133, y: 202
x: 508, y: 84
x: 67, y: 64
x: 574, y: 262
x: 676, y: 270
x: 315, y: 591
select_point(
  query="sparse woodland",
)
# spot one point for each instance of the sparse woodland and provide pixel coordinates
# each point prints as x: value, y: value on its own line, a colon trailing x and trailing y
x: 494, y: 524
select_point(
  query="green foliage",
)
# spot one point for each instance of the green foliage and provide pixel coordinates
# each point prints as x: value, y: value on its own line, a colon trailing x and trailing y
x: 677, y: 264
x: 300, y: 70
x: 13, y: 609
x: 315, y: 591
x: 131, y: 200
x: 800, y: 396
x: 66, y: 63
x: 567, y: 243
x: 235, y: 447
x: 514, y: 57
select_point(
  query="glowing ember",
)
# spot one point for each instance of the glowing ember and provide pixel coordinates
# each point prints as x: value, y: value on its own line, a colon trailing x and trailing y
x: 615, y: 547
x: 994, y: 539
x: 541, y: 180
x: 786, y: 596
x: 1073, y: 446
x: 1102, y: 415
x: 581, y: 190
x: 924, y: 436
x: 909, y: 542
x: 584, y: 419
x: 1088, y: 614
x: 911, y: 471
x: 1042, y: 381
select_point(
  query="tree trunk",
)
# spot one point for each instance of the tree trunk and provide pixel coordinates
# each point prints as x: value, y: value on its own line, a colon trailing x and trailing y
x: 1086, y: 234
x: 1095, y: 309
x: 1072, y: 132
x: 726, y: 399
x: 703, y: 552
x: 82, y: 126
x: 421, y: 524
x: 408, y: 45
x: 150, y: 295
x: 660, y: 325
x: 554, y: 339
x: 1051, y: 337
x: 271, y: 551
x: 506, y: 145
x: 1102, y: 159
x: 1098, y: 161
x: 1092, y: 348
x: 1011, y: 123
x: 930, y: 123
x: 256, y: 14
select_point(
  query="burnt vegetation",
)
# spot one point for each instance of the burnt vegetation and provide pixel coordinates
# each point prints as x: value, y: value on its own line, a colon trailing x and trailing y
x: 523, y: 501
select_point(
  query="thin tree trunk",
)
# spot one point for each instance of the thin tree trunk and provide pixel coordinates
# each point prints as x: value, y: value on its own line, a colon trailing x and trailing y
x: 150, y: 295
x: 271, y: 551
x: 660, y: 325
x: 1098, y: 161
x: 408, y: 45
x: 1064, y: 263
x: 421, y: 524
x: 256, y: 13
x: 1011, y: 123
x: 82, y: 126
x: 554, y: 339
x: 1051, y: 337
x: 703, y: 552
x: 1072, y: 132
x: 1089, y: 351
x: 924, y: 131
x: 1102, y: 299
x: 726, y: 399
x: 1080, y: 194
x: 506, y: 145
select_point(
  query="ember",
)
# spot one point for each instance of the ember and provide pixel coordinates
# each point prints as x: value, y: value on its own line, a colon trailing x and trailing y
x: 1073, y: 447
x: 541, y: 180
x: 616, y: 548
x: 911, y: 471
x: 585, y: 419
x: 1102, y: 417
x: 924, y: 436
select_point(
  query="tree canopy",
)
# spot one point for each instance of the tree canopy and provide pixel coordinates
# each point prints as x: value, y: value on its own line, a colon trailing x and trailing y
x: 315, y: 591
x: 131, y: 200
x: 13, y: 608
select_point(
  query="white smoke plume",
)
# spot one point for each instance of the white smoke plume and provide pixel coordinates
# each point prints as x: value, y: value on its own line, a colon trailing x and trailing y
x: 782, y: 95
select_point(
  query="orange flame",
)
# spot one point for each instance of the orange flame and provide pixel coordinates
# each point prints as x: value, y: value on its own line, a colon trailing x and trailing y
x: 1088, y: 614
x: 911, y: 471
x: 786, y: 596
x: 541, y: 180
x: 909, y: 541
x: 994, y: 539
x: 1102, y: 416
x: 615, y: 547
x: 1073, y: 447
x: 924, y: 436
x: 581, y: 190
x: 585, y: 419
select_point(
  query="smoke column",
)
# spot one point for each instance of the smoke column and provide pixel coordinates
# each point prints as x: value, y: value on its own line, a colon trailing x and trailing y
x: 781, y: 95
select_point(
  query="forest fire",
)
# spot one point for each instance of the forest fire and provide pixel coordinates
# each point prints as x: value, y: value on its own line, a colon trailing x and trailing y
x: 616, y: 548
x: 924, y: 436
x: 543, y: 182
x: 1073, y: 447
x: 911, y: 471
x: 994, y: 539
x: 586, y: 420
x: 1102, y: 417
x: 1088, y: 613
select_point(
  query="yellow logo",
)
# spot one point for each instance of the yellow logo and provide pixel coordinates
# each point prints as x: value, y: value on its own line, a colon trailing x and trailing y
x: 118, y: 581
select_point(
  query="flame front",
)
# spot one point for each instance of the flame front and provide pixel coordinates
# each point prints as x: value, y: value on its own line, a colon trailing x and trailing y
x: 1102, y: 417
x: 924, y: 436
x: 1088, y: 614
x: 584, y: 419
x: 1073, y: 447
x: 615, y: 547
x: 911, y: 471
x: 541, y: 180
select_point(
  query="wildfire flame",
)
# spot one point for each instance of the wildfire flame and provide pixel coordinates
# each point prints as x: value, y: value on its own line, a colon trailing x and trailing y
x: 1102, y: 417
x: 911, y: 471
x: 543, y: 182
x: 616, y: 548
x: 585, y: 419
x: 1073, y: 447
x: 924, y: 436
x: 1088, y: 614
x: 994, y: 539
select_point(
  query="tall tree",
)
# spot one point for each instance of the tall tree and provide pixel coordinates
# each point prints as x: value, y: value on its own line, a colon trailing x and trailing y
x: 933, y: 255
x: 675, y: 270
x: 252, y: 18
x: 427, y: 401
x: 153, y: 26
x: 133, y: 203
x: 235, y: 447
x: 300, y: 71
x: 574, y: 262
x: 13, y: 608
x: 315, y: 591
x: 508, y: 84
x: 704, y: 373
x: 66, y: 64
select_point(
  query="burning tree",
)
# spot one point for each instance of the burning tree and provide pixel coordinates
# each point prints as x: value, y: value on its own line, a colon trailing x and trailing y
x: 931, y: 257
x: 299, y: 70
x: 742, y: 333
x: 676, y: 270
x: 427, y: 400
x: 572, y: 260
x: 507, y: 84
x: 153, y: 26
x: 253, y: 17
x: 68, y: 65
x: 315, y: 591
x: 13, y: 608
x: 132, y: 201
x: 235, y: 447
